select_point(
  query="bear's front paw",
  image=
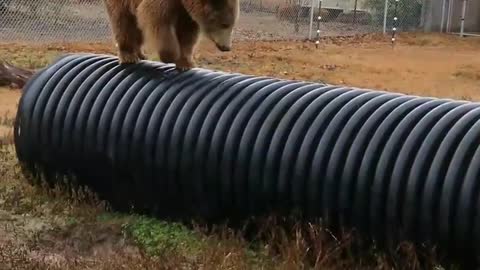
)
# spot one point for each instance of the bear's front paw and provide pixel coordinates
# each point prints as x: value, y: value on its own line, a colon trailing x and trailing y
x: 129, y: 58
x: 184, y: 64
x: 141, y: 56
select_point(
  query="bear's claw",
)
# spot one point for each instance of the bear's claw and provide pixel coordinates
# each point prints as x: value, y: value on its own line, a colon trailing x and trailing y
x: 129, y: 58
x: 184, y: 65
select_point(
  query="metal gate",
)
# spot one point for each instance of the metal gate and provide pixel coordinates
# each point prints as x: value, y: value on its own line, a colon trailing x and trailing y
x: 461, y: 17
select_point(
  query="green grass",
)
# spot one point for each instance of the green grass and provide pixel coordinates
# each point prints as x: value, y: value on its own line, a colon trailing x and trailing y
x: 158, y: 237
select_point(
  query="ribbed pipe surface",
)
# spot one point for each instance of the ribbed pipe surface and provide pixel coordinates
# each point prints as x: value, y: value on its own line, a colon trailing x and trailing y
x: 216, y: 144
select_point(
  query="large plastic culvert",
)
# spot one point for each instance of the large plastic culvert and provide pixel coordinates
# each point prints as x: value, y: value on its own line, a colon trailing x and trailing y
x: 213, y: 144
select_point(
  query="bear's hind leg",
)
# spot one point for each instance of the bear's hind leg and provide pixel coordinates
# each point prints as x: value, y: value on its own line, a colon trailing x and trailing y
x: 167, y: 47
x: 155, y: 20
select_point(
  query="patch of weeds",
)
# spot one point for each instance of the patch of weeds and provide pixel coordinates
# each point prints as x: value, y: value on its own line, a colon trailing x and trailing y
x: 467, y: 98
x: 160, y: 237
x: 112, y: 217
x: 32, y: 60
x: 466, y: 73
x: 19, y: 196
x: 14, y: 256
x: 7, y: 120
x: 71, y: 221
x: 229, y: 249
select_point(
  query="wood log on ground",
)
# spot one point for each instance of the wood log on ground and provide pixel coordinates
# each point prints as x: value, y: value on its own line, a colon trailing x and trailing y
x: 12, y: 76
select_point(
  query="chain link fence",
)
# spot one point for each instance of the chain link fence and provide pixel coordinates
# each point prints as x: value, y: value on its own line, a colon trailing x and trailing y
x: 53, y: 20
x: 86, y: 20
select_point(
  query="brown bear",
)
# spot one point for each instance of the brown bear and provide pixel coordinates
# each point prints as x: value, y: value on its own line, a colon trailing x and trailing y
x: 170, y: 27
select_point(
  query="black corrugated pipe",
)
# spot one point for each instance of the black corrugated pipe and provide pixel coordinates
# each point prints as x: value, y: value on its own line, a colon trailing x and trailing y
x: 214, y: 144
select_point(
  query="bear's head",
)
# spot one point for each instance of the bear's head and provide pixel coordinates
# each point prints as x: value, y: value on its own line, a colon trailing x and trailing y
x: 216, y: 19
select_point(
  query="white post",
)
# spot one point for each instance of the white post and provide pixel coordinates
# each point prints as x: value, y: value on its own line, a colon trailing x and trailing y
x: 449, y: 15
x: 462, y: 25
x: 310, y: 31
x: 443, y: 15
x: 385, y: 13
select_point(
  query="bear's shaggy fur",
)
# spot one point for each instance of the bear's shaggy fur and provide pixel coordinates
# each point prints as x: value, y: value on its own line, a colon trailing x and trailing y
x: 170, y: 27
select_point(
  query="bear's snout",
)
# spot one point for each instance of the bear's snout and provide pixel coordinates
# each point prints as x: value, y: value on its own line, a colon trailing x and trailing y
x: 223, y: 48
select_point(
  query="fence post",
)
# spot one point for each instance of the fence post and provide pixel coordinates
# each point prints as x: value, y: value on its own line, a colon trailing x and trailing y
x: 385, y: 13
x: 355, y: 12
x: 462, y: 23
x: 442, y: 22
x: 311, y: 20
x: 449, y: 15
x: 298, y: 9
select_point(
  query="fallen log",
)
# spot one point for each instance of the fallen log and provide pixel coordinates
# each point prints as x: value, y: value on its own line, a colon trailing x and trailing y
x: 12, y: 76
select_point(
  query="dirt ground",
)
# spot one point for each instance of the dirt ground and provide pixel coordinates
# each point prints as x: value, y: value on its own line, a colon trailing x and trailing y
x: 8, y: 105
x: 427, y: 65
x: 8, y: 101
